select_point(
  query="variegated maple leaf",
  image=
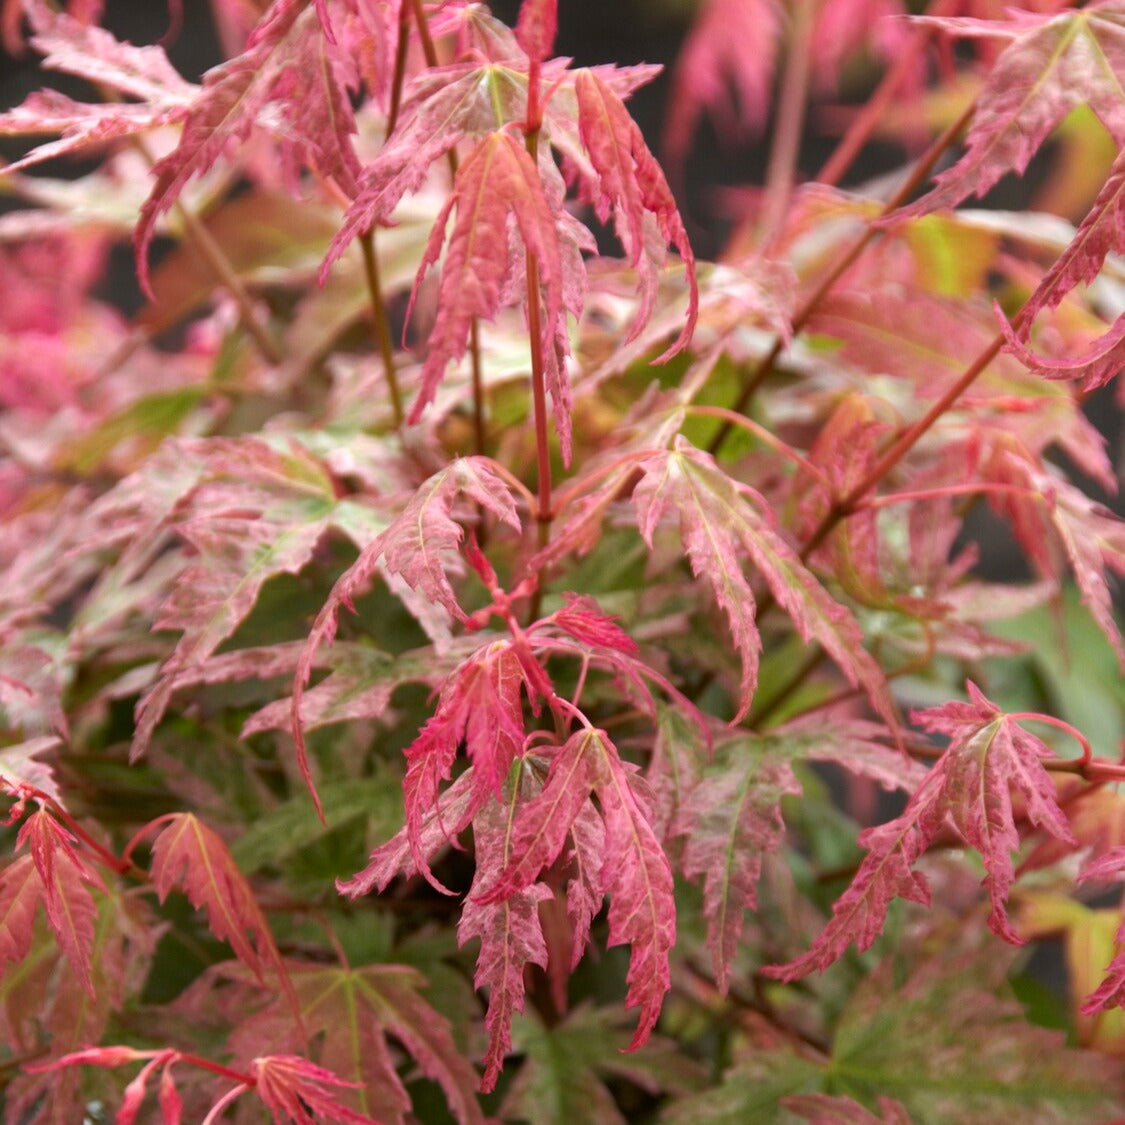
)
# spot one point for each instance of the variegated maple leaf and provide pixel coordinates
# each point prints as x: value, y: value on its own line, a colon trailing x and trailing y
x: 481, y: 706
x: 294, y: 79
x: 73, y: 46
x: 510, y: 932
x: 628, y: 184
x: 354, y: 1013
x: 189, y: 855
x: 1053, y: 513
x: 968, y: 789
x: 257, y: 512
x: 730, y: 819
x: 1051, y: 65
x: 720, y: 524
x: 497, y: 188
x: 1111, y: 992
x: 1102, y: 233
x: 420, y: 546
x: 726, y: 64
x: 635, y: 872
x: 56, y: 874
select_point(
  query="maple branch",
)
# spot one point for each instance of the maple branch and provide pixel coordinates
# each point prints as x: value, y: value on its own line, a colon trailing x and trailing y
x: 429, y: 51
x: 399, y: 77
x: 210, y: 251
x: 781, y: 172
x: 910, y: 185
x: 478, y: 392
x: 380, y: 325
x: 863, y: 124
x: 765, y: 436
x: 975, y: 488
x: 847, y: 505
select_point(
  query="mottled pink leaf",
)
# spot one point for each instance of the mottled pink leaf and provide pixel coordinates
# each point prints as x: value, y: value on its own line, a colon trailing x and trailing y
x: 638, y: 879
x: 190, y: 856
x: 20, y: 892
x: 497, y: 188
x: 1111, y: 992
x: 1052, y: 65
x: 421, y: 545
x: 535, y: 29
x: 629, y: 184
x: 510, y: 933
x: 1055, y: 511
x: 64, y: 878
x: 480, y: 705
x: 725, y: 66
x: 291, y: 1087
x: 731, y: 819
x: 969, y: 788
x: 720, y: 526
x: 291, y: 79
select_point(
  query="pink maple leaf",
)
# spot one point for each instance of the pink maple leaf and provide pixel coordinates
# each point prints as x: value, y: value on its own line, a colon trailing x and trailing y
x: 496, y: 187
x: 720, y: 525
x: 74, y: 47
x: 1056, y: 512
x: 294, y: 1089
x: 1111, y: 992
x: 293, y: 79
x: 440, y: 824
x: 1052, y: 65
x: 582, y: 618
x: 480, y: 705
x: 969, y: 789
x: 510, y: 933
x: 440, y: 108
x: 63, y: 880
x: 420, y: 545
x: 634, y: 870
x: 189, y: 855
x: 1101, y: 233
x: 20, y: 892
x: 726, y: 66
x: 629, y: 184
x: 730, y: 821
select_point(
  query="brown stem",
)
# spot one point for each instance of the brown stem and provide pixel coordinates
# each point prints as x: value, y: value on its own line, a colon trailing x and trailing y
x: 781, y: 172
x: 909, y: 186
x: 210, y: 251
x: 380, y: 325
x: 399, y: 77
x: 863, y: 125
x: 844, y: 507
x: 806, y: 668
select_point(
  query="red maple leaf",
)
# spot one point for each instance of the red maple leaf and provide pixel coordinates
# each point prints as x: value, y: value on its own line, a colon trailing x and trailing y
x: 294, y: 1089
x: 498, y: 187
x: 189, y: 855
x: 510, y: 933
x: 63, y: 879
x: 969, y: 789
x: 628, y: 183
x: 634, y: 870
x: 420, y: 545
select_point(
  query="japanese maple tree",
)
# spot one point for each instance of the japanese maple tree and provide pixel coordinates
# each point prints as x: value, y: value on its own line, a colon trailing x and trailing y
x: 464, y: 657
